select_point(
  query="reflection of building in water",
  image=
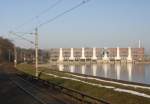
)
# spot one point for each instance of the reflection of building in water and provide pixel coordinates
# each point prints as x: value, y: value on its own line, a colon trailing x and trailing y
x: 83, y: 69
x: 146, y: 74
x: 138, y: 72
x: 61, y: 67
x: 89, y: 54
x: 118, y: 68
x: 72, y: 68
x: 94, y: 67
x: 105, y: 68
x: 129, y: 68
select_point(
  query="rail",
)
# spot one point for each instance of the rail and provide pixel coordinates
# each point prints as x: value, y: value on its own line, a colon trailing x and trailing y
x: 76, y: 95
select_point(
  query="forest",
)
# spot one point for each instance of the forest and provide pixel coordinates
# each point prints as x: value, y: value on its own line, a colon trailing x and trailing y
x: 6, y: 50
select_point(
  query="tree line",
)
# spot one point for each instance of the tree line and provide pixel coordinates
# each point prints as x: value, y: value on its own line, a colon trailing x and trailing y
x: 23, y: 55
x: 6, y: 50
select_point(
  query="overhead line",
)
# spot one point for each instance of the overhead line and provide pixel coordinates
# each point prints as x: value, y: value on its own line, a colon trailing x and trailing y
x: 21, y: 37
x: 41, y: 13
x: 52, y: 19
x: 22, y: 44
x: 63, y: 13
x: 52, y: 6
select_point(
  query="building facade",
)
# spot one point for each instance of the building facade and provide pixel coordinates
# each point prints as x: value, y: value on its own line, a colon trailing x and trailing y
x: 76, y: 54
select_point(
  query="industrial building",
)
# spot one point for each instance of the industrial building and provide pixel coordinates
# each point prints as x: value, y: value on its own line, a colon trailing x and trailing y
x: 96, y: 54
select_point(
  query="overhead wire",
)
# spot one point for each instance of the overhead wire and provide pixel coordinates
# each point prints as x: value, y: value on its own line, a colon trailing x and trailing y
x: 63, y: 13
x: 15, y: 39
x: 21, y: 37
x: 37, y: 16
x: 52, y: 19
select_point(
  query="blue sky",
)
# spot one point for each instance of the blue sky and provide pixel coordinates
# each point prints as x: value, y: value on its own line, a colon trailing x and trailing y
x: 99, y: 23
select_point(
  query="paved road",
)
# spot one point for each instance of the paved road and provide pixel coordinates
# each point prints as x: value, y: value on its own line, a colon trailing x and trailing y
x: 15, y: 90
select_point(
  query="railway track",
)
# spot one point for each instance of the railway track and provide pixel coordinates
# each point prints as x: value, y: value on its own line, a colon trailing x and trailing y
x: 75, y: 97
x: 29, y: 93
x: 40, y: 94
x: 20, y: 87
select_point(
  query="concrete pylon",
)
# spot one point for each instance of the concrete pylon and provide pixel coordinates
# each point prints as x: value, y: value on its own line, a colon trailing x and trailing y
x: 94, y: 54
x: 83, y: 56
x: 71, y: 55
x: 118, y: 54
x: 61, y: 58
x: 129, y: 58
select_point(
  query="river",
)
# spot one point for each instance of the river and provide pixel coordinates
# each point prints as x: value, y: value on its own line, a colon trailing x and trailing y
x: 128, y: 72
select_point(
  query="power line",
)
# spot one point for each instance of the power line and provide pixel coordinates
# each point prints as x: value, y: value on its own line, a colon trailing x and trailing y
x: 21, y: 37
x: 22, y: 44
x: 63, y: 13
x: 52, y: 6
x: 37, y: 16
x: 57, y: 16
x: 41, y: 13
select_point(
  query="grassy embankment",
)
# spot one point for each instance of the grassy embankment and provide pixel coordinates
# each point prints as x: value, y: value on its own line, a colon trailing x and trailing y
x: 100, y: 92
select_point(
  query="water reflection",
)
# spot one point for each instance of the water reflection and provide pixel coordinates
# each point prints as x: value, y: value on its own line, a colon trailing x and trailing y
x: 72, y: 68
x: 129, y: 68
x: 118, y: 68
x: 61, y: 67
x: 129, y: 72
x: 83, y: 69
x: 105, y: 68
x: 94, y: 67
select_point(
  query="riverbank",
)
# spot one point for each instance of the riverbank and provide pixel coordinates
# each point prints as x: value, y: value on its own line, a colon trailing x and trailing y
x: 114, y: 92
x: 97, y: 62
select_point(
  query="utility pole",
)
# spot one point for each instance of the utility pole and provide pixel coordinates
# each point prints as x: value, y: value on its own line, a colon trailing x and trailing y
x: 9, y: 55
x: 15, y: 56
x: 24, y: 57
x: 36, y: 51
x: 21, y: 55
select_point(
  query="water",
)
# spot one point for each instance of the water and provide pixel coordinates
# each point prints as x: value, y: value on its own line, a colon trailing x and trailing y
x: 129, y: 72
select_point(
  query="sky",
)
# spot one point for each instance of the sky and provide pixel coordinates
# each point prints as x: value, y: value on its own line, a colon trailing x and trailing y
x: 98, y: 23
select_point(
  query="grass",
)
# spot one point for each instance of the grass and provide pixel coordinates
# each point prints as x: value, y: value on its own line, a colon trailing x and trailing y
x: 95, y: 81
x: 29, y: 69
x: 99, y: 92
